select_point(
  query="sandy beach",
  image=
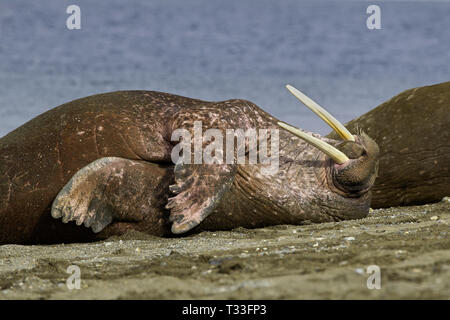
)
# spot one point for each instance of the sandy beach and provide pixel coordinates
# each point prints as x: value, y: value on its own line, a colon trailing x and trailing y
x: 322, y: 261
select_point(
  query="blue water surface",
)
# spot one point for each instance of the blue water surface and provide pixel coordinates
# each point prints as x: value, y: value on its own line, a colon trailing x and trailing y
x: 217, y: 50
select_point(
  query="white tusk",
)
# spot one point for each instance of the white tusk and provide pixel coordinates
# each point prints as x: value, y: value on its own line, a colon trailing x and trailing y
x: 322, y: 113
x: 338, y: 156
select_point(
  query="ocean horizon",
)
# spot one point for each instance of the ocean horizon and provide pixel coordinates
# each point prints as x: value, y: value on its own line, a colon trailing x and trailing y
x: 215, y: 50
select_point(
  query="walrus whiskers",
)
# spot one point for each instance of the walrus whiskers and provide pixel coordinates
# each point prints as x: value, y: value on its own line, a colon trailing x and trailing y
x: 338, y: 156
x: 322, y: 113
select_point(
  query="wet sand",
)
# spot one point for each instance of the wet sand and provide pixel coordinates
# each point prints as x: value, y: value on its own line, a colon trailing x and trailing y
x: 411, y: 245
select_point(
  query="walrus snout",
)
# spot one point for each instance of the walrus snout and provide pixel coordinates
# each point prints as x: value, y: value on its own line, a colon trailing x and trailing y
x: 355, y: 160
x: 353, y: 150
x: 358, y: 174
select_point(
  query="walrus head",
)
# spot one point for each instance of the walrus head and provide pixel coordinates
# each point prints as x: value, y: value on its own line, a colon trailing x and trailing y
x: 354, y: 162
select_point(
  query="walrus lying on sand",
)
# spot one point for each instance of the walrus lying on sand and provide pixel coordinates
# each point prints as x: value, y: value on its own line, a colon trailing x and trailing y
x: 106, y: 161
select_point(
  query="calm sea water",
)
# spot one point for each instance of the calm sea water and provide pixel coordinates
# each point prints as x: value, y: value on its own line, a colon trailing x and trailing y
x: 217, y: 50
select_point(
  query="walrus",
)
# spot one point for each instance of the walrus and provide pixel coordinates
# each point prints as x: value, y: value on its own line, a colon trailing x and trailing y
x: 412, y: 130
x: 102, y: 165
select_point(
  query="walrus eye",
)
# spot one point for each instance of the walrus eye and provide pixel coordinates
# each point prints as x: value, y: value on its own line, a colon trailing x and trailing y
x: 323, y: 114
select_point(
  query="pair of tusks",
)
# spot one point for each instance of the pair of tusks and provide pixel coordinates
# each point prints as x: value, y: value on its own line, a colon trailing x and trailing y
x: 338, y: 156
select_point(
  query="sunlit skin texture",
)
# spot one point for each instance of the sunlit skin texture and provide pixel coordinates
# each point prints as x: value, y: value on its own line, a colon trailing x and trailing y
x: 39, y: 158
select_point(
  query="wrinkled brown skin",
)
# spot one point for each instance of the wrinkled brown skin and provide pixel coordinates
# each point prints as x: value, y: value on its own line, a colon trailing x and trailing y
x: 39, y: 158
x: 413, y: 132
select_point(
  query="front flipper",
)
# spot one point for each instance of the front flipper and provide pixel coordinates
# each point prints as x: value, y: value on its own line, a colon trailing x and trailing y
x: 111, y: 189
x: 199, y: 187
